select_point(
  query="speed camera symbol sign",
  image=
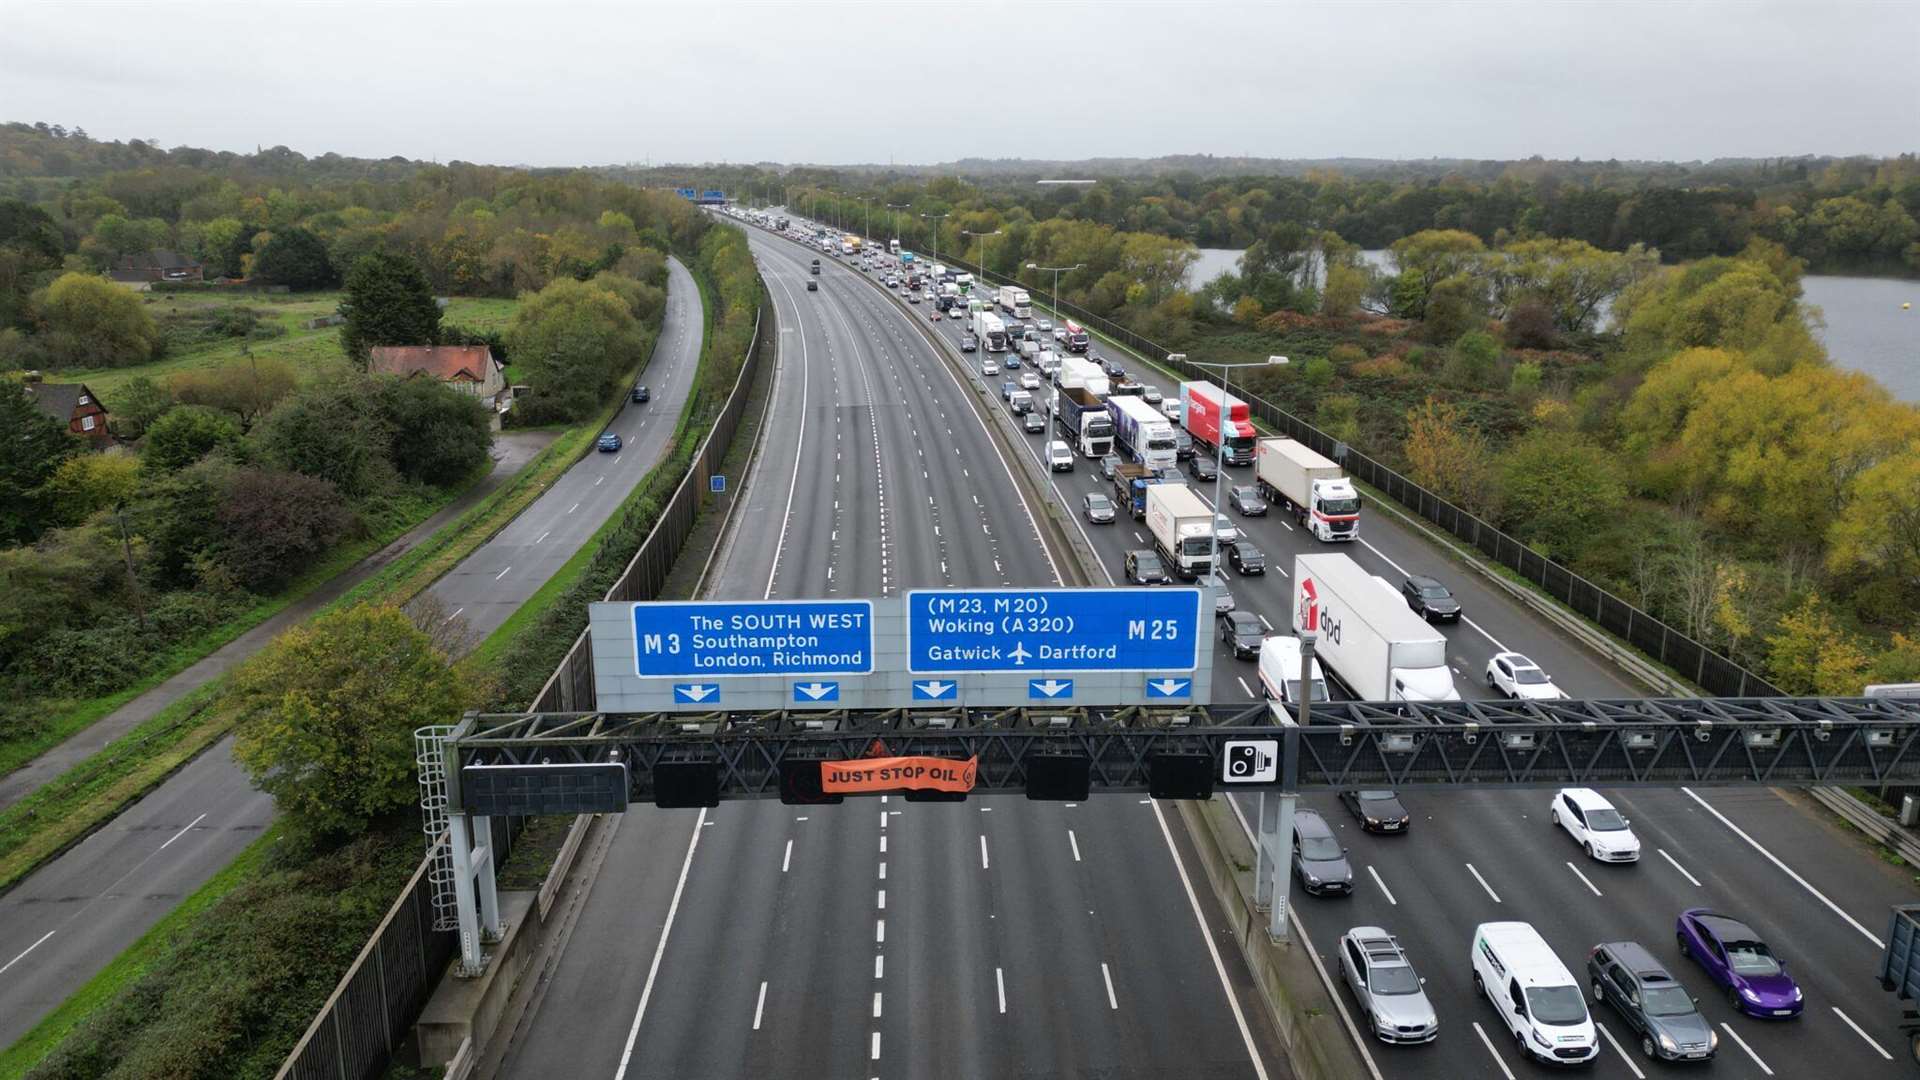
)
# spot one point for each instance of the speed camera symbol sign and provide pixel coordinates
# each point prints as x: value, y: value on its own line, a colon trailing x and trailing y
x: 1251, y: 761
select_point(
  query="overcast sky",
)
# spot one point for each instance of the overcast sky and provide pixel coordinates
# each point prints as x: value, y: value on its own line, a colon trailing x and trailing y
x: 547, y: 82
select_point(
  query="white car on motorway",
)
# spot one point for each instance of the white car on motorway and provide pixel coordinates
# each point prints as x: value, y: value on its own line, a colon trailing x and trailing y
x: 1592, y: 821
x: 1225, y: 530
x: 1520, y: 678
x: 1030, y: 380
x: 989, y: 367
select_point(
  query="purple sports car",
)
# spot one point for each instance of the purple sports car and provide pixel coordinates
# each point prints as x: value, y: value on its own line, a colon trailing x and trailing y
x: 1732, y: 953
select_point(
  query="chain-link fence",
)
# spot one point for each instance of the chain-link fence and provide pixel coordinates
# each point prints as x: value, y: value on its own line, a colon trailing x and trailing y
x: 1691, y: 659
x: 381, y: 995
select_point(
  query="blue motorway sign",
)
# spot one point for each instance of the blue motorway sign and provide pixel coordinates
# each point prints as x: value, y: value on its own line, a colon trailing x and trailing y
x: 718, y: 639
x: 717, y: 484
x: 1007, y: 631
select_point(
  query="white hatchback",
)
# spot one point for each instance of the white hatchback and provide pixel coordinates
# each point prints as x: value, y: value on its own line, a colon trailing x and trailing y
x: 1592, y: 821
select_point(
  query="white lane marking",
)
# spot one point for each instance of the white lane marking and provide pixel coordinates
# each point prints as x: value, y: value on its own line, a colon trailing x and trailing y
x: 1488, y: 1043
x: 1877, y: 1048
x: 43, y: 941
x: 787, y: 859
x: 455, y: 615
x: 572, y: 508
x: 1638, y: 1075
x: 760, y: 1006
x: 1784, y: 868
x: 1265, y: 623
x: 1677, y: 866
x: 1000, y: 985
x: 800, y: 442
x: 1743, y: 1045
x: 660, y: 950
x: 880, y: 967
x: 1137, y: 536
x: 1383, y: 886
x: 1072, y: 840
x: 882, y: 904
x: 183, y: 832
x: 1206, y: 935
x: 544, y: 535
x: 1403, y: 572
x: 1112, y: 1003
x: 879, y: 931
x: 602, y: 480
x: 876, y: 1046
x: 1483, y: 883
x: 983, y: 851
x: 1243, y: 685
x: 883, y: 840
x: 883, y: 869
x: 883, y: 819
x: 501, y: 574
x: 876, y: 1004
x: 1582, y: 877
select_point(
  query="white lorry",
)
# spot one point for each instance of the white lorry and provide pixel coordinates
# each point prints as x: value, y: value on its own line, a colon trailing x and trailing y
x: 1014, y: 301
x: 1280, y: 671
x: 990, y: 331
x: 1142, y: 434
x: 1311, y: 487
x: 1086, y: 374
x: 1381, y: 650
x: 1182, y: 528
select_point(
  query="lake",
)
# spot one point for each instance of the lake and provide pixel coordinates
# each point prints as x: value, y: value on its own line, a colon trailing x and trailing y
x: 1866, y: 329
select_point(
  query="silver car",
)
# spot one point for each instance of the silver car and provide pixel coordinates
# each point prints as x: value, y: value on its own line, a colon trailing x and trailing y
x: 1393, y: 1000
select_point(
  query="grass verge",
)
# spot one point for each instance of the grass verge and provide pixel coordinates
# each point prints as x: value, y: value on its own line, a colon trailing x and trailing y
x: 131, y: 963
x: 73, y: 717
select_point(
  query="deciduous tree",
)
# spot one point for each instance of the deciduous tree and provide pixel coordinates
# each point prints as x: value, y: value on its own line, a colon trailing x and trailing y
x: 297, y: 259
x: 246, y: 388
x: 91, y: 322
x: 274, y: 523
x: 1447, y: 456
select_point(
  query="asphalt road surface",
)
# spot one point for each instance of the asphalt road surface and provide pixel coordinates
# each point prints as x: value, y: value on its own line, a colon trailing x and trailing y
x: 59, y: 926
x: 991, y: 938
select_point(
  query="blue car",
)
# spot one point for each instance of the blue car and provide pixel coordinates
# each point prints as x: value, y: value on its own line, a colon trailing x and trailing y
x: 609, y: 443
x: 1013, y: 362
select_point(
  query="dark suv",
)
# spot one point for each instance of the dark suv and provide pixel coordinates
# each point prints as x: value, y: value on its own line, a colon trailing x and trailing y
x: 1654, y: 1004
x: 1430, y: 600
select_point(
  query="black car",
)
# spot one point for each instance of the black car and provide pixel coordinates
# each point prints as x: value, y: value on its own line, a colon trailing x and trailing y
x: 1246, y: 499
x: 1654, y: 1004
x: 1182, y: 444
x: 1033, y: 422
x: 1143, y: 568
x: 1246, y: 559
x: 1201, y: 467
x: 812, y: 285
x: 1242, y: 632
x: 1430, y: 600
x: 968, y: 343
x: 1378, y: 811
x: 641, y: 395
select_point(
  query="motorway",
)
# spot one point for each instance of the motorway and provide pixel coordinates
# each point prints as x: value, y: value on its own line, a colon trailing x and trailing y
x: 62, y: 924
x: 991, y: 938
x: 1818, y: 894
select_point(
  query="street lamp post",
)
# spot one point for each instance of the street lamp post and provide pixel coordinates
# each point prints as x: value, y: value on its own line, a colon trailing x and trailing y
x: 1054, y: 397
x: 982, y: 237
x: 1220, y: 449
x: 893, y: 220
x: 936, y: 233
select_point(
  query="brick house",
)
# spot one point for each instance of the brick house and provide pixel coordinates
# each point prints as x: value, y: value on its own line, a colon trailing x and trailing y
x: 470, y: 369
x: 75, y: 406
x: 148, y: 267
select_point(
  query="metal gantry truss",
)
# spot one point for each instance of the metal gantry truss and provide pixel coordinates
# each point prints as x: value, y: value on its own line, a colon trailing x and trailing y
x: 1609, y: 743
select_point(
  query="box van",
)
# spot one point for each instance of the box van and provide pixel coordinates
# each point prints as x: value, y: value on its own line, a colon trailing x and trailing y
x: 1543, y: 1007
x: 1020, y: 401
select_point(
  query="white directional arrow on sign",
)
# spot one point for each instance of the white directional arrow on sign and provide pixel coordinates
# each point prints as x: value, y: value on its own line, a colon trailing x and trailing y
x: 933, y: 688
x: 1019, y: 654
x: 817, y: 690
x: 1049, y: 687
x: 696, y: 691
x: 1168, y: 687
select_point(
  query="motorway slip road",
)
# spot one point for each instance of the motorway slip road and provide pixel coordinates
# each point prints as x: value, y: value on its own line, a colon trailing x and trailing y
x: 991, y: 938
x: 62, y: 924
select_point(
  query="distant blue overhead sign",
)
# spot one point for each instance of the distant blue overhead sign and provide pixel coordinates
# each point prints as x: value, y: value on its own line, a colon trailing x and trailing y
x: 723, y: 639
x: 960, y: 631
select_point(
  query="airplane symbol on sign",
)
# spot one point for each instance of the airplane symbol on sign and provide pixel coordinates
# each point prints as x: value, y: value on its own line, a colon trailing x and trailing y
x: 1019, y: 654
x: 1049, y: 688
x: 696, y: 692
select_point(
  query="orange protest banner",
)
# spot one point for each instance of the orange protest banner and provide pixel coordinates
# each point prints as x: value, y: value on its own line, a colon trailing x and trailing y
x: 895, y: 773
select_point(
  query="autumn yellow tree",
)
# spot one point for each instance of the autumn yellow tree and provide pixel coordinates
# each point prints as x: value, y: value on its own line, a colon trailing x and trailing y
x: 1448, y: 456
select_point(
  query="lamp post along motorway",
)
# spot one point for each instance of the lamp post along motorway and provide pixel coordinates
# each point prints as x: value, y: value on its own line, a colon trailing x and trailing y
x: 935, y: 218
x: 1220, y: 447
x: 982, y: 237
x: 1053, y: 397
x: 893, y: 218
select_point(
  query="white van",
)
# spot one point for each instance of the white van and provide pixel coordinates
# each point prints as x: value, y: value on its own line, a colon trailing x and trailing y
x: 1280, y: 671
x: 1544, y: 1008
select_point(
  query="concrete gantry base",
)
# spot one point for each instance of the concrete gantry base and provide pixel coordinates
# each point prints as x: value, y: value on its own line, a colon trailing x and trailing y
x: 460, y: 1006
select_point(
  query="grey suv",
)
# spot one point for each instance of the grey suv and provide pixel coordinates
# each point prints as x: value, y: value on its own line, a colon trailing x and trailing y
x: 1654, y: 1005
x: 1392, y: 999
x: 1318, y: 859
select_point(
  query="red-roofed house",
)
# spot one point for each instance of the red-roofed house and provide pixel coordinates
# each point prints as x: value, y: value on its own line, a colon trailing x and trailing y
x: 75, y: 406
x: 470, y: 369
